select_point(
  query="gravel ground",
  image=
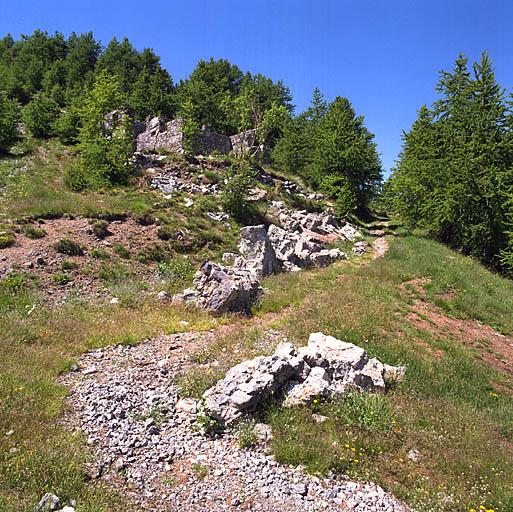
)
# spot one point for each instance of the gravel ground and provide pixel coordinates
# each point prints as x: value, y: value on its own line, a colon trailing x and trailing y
x: 123, y: 399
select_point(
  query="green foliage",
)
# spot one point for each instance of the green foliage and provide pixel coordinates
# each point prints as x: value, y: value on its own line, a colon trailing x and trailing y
x: 177, y: 269
x: 121, y: 250
x: 9, y: 117
x: 61, y: 279
x: 68, y: 247
x: 190, y: 127
x: 236, y: 191
x: 100, y: 229
x: 39, y: 116
x: 99, y: 254
x: 153, y: 253
x: 76, y: 177
x: 105, y: 134
x: 330, y: 147
x: 6, y: 239
x: 69, y: 265
x: 366, y: 410
x: 245, y: 434
x: 455, y: 172
x: 34, y: 233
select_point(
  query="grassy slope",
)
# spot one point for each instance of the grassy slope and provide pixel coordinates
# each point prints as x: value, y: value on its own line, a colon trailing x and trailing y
x: 446, y: 407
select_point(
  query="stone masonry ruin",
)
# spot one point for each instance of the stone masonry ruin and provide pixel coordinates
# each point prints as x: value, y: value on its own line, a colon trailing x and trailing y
x: 159, y: 134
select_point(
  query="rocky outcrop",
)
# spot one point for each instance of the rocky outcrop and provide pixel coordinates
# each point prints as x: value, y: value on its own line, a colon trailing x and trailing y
x: 222, y: 289
x: 257, y: 251
x: 327, y: 366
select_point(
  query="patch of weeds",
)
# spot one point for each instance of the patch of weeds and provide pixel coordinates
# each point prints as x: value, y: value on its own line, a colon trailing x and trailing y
x: 69, y: 265
x: 212, y: 176
x: 170, y: 482
x: 33, y: 233
x: 68, y: 247
x: 100, y: 229
x: 200, y: 470
x: 196, y: 381
x: 113, y: 273
x: 176, y: 269
x: 121, y: 250
x: 15, y: 282
x: 245, y: 434
x: 61, y: 279
x: 100, y: 254
x: 6, y: 239
x: 367, y: 410
x: 153, y: 252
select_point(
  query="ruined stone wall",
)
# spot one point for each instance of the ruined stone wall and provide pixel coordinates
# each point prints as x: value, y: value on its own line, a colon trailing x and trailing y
x: 159, y: 134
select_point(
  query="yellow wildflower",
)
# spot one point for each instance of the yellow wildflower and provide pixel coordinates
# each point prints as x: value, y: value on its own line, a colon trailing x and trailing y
x: 20, y: 388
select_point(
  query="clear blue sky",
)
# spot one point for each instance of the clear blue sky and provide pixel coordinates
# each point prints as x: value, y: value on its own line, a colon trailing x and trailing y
x: 384, y: 55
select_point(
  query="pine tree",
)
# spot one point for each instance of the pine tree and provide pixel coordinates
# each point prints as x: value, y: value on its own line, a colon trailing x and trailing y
x: 105, y: 134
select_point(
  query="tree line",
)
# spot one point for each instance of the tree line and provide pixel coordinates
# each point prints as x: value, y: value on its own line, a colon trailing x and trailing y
x: 454, y: 176
x: 65, y: 87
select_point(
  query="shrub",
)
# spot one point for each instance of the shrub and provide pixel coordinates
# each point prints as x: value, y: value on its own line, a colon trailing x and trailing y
x: 121, y: 250
x: 176, y: 269
x: 34, y: 233
x: 61, y: 279
x: 69, y: 265
x: 76, y: 178
x: 100, y: 229
x: 236, y: 191
x: 39, y: 116
x: 100, y: 254
x: 152, y: 252
x: 113, y: 273
x: 68, y: 247
x: 6, y: 240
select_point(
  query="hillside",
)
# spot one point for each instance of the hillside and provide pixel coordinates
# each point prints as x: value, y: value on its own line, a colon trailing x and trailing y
x: 89, y: 346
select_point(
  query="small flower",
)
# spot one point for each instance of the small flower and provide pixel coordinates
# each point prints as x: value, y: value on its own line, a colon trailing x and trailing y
x: 356, y: 460
x: 315, y: 401
x: 401, y: 460
x: 353, y: 449
x: 20, y: 388
x: 346, y: 445
x: 492, y: 394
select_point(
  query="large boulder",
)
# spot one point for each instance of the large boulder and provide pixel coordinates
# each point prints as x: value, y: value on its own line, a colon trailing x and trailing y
x: 325, y: 367
x: 251, y: 382
x: 257, y: 250
x: 222, y: 289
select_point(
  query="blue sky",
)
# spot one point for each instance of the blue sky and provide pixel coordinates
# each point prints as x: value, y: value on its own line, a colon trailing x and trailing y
x: 384, y: 55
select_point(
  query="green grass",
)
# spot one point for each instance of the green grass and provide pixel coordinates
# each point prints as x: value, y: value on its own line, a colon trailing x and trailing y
x: 37, y: 345
x: 445, y: 408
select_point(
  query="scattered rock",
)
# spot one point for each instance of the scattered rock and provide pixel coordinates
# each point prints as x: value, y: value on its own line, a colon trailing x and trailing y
x: 114, y: 300
x: 48, y: 502
x: 187, y: 406
x: 163, y: 296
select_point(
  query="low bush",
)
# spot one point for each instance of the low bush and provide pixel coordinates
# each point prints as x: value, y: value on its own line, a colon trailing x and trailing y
x: 61, y: 279
x: 153, y: 252
x: 100, y: 254
x: 6, y: 240
x: 68, y: 247
x: 100, y: 229
x: 121, y: 250
x: 69, y: 265
x: 34, y: 233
